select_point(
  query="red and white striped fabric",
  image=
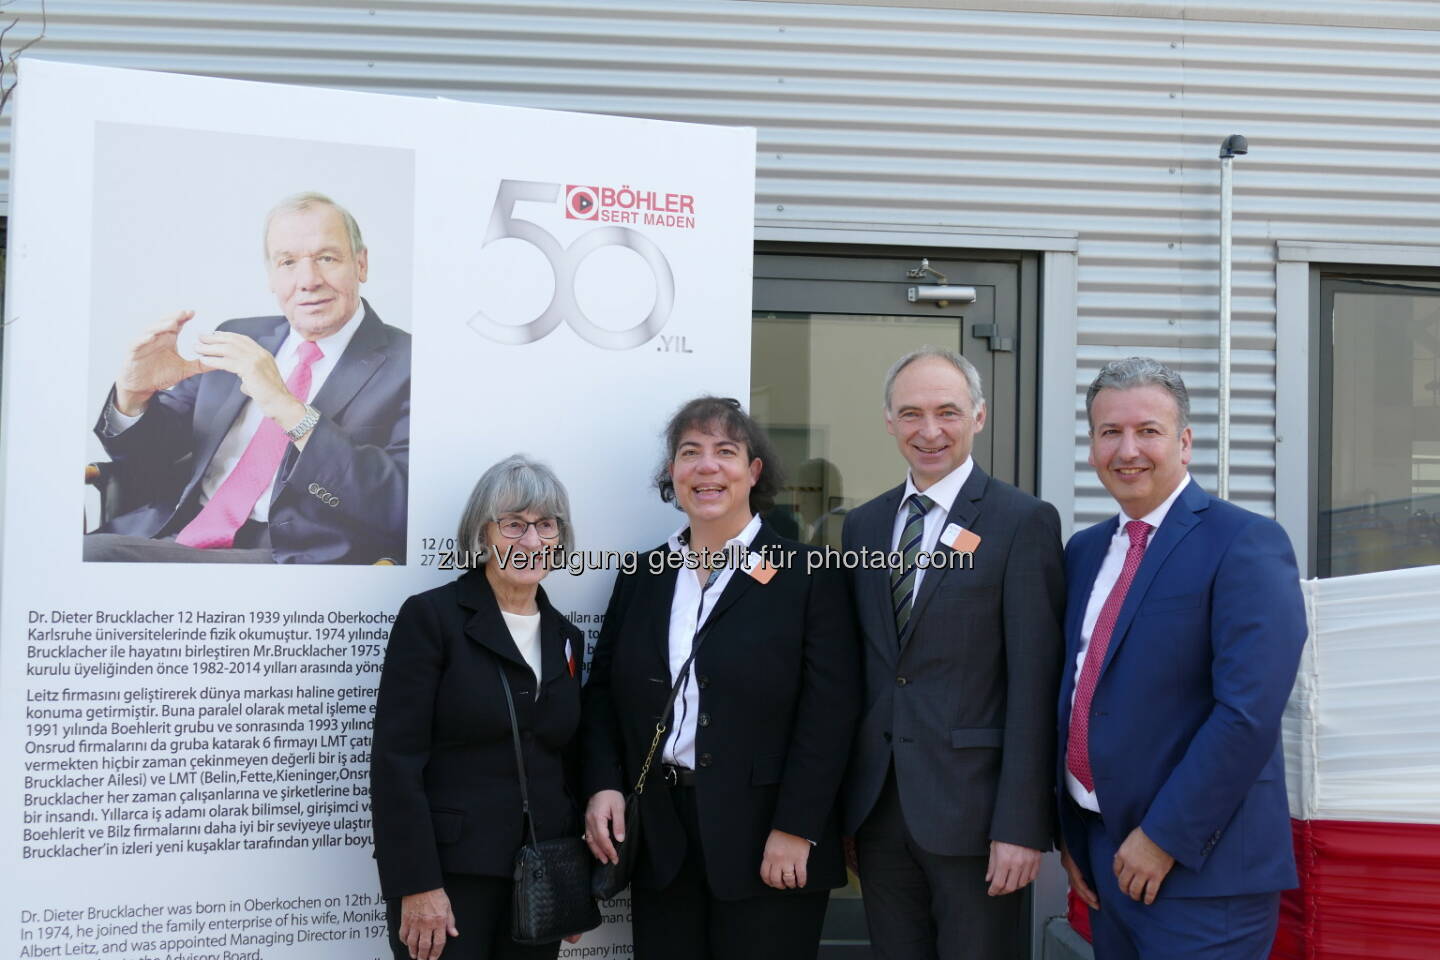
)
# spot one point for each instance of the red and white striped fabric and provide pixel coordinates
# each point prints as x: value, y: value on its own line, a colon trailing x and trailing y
x: 1362, y: 764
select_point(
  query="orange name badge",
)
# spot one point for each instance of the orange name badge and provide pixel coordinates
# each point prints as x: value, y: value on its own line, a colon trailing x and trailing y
x: 959, y: 539
x: 759, y: 568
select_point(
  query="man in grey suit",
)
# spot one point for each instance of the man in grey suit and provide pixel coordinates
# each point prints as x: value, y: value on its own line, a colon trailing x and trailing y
x: 950, y: 791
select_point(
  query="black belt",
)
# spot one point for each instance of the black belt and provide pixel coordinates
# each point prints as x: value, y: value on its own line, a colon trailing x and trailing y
x: 677, y: 776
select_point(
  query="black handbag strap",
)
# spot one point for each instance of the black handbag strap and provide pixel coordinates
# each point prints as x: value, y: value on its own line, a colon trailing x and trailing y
x: 519, y: 755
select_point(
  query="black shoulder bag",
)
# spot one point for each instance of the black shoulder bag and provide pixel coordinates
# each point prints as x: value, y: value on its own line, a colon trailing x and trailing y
x: 610, y: 878
x: 551, y: 899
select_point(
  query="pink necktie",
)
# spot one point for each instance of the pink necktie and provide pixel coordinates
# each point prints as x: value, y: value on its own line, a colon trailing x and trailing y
x: 226, y: 512
x: 1077, y: 753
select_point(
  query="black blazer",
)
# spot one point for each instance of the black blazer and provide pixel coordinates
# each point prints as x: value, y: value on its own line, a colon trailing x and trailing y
x: 779, y: 683
x: 444, y: 789
x: 964, y: 709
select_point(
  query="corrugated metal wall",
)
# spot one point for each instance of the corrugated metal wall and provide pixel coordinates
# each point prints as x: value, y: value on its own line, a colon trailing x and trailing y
x: 1106, y: 125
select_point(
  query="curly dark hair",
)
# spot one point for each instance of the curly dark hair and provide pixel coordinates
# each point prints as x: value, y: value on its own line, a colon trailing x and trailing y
x: 722, y: 415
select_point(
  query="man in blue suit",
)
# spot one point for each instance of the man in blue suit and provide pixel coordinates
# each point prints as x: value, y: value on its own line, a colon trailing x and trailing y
x: 1184, y: 624
x: 288, y: 439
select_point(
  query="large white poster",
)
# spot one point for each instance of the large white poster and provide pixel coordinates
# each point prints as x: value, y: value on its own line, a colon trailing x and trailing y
x: 187, y: 744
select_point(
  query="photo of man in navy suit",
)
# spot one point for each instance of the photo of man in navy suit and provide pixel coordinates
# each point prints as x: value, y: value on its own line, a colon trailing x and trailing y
x: 286, y: 439
x: 1183, y: 630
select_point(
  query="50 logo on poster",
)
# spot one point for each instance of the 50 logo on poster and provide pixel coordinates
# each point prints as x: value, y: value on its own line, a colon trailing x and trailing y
x: 565, y: 262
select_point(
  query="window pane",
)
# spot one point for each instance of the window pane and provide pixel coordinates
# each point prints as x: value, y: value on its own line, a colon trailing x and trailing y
x: 1384, y: 491
x: 815, y: 385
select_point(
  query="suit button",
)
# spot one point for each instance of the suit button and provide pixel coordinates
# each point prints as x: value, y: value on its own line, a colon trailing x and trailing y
x: 703, y: 719
x: 886, y: 735
x: 704, y: 682
x: 705, y: 760
x: 901, y: 681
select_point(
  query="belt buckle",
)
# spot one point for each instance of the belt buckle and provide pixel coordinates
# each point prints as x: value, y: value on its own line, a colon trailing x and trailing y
x: 671, y: 776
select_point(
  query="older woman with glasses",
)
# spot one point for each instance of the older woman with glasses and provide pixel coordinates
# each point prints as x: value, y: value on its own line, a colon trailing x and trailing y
x: 445, y: 791
x: 739, y: 843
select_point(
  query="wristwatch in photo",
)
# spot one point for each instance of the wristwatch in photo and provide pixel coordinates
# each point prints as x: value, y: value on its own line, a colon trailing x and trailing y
x: 306, y: 424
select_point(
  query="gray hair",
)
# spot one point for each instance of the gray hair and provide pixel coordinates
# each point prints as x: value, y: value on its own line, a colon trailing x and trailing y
x: 972, y: 376
x: 516, y: 484
x: 299, y: 202
x: 1135, y: 372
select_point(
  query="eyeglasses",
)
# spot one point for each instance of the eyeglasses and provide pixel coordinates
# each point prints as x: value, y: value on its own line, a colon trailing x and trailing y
x: 513, y: 528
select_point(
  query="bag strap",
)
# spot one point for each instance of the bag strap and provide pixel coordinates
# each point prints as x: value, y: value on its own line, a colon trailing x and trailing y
x: 664, y: 723
x: 519, y: 755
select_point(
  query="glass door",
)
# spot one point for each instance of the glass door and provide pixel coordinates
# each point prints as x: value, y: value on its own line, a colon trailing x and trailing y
x: 827, y: 327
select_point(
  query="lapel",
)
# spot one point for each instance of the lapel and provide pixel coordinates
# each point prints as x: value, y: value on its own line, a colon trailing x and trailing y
x: 219, y: 414
x: 485, y: 625
x: 738, y: 585
x: 1089, y: 546
x: 553, y: 664
x: 1184, y: 515
x: 962, y: 513
x: 661, y: 589
x: 878, y: 530
x: 741, y: 582
x: 363, y: 356
x: 1087, y: 567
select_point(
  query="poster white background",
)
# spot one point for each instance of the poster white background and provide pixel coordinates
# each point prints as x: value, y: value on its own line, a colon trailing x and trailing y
x: 421, y: 177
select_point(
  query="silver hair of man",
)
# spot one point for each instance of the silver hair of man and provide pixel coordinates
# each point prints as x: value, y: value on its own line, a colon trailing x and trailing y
x: 966, y: 368
x: 300, y: 202
x: 1135, y: 372
x: 516, y: 484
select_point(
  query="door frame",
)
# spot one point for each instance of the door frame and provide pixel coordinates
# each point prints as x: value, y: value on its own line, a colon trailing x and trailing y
x: 1298, y: 265
x: 1058, y: 397
x: 826, y: 280
x: 1058, y: 363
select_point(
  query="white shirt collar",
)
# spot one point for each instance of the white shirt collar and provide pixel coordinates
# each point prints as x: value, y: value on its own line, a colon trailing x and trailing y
x: 944, y: 491
x: 331, y: 346
x: 1157, y: 516
x: 680, y: 540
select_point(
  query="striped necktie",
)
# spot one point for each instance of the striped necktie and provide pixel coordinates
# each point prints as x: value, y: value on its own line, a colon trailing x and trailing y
x: 902, y: 579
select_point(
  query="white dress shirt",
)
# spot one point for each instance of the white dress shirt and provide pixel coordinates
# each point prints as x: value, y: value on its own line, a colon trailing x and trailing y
x: 943, y: 493
x: 525, y: 631
x: 1105, y: 581
x: 227, y: 455
x: 689, y: 608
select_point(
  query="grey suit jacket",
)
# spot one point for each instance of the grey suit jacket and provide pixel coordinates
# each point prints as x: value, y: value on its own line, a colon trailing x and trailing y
x: 964, y: 708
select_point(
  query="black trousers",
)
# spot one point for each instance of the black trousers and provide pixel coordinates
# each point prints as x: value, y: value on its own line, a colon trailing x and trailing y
x: 685, y: 921
x: 924, y: 906
x: 482, y: 915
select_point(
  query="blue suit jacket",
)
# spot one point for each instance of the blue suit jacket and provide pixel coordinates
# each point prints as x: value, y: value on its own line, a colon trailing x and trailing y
x: 1185, y: 723
x: 343, y: 499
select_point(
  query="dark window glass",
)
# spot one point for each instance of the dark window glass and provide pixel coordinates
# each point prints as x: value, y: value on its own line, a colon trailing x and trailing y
x: 1379, y: 470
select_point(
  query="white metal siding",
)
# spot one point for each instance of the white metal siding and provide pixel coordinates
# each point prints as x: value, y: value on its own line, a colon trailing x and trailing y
x: 1103, y: 124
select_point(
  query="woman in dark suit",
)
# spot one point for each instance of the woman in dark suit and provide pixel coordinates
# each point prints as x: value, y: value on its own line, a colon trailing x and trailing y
x: 740, y: 842
x: 445, y: 791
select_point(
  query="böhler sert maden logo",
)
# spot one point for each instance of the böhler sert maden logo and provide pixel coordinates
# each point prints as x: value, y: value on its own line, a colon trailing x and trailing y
x: 626, y: 204
x: 615, y: 209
